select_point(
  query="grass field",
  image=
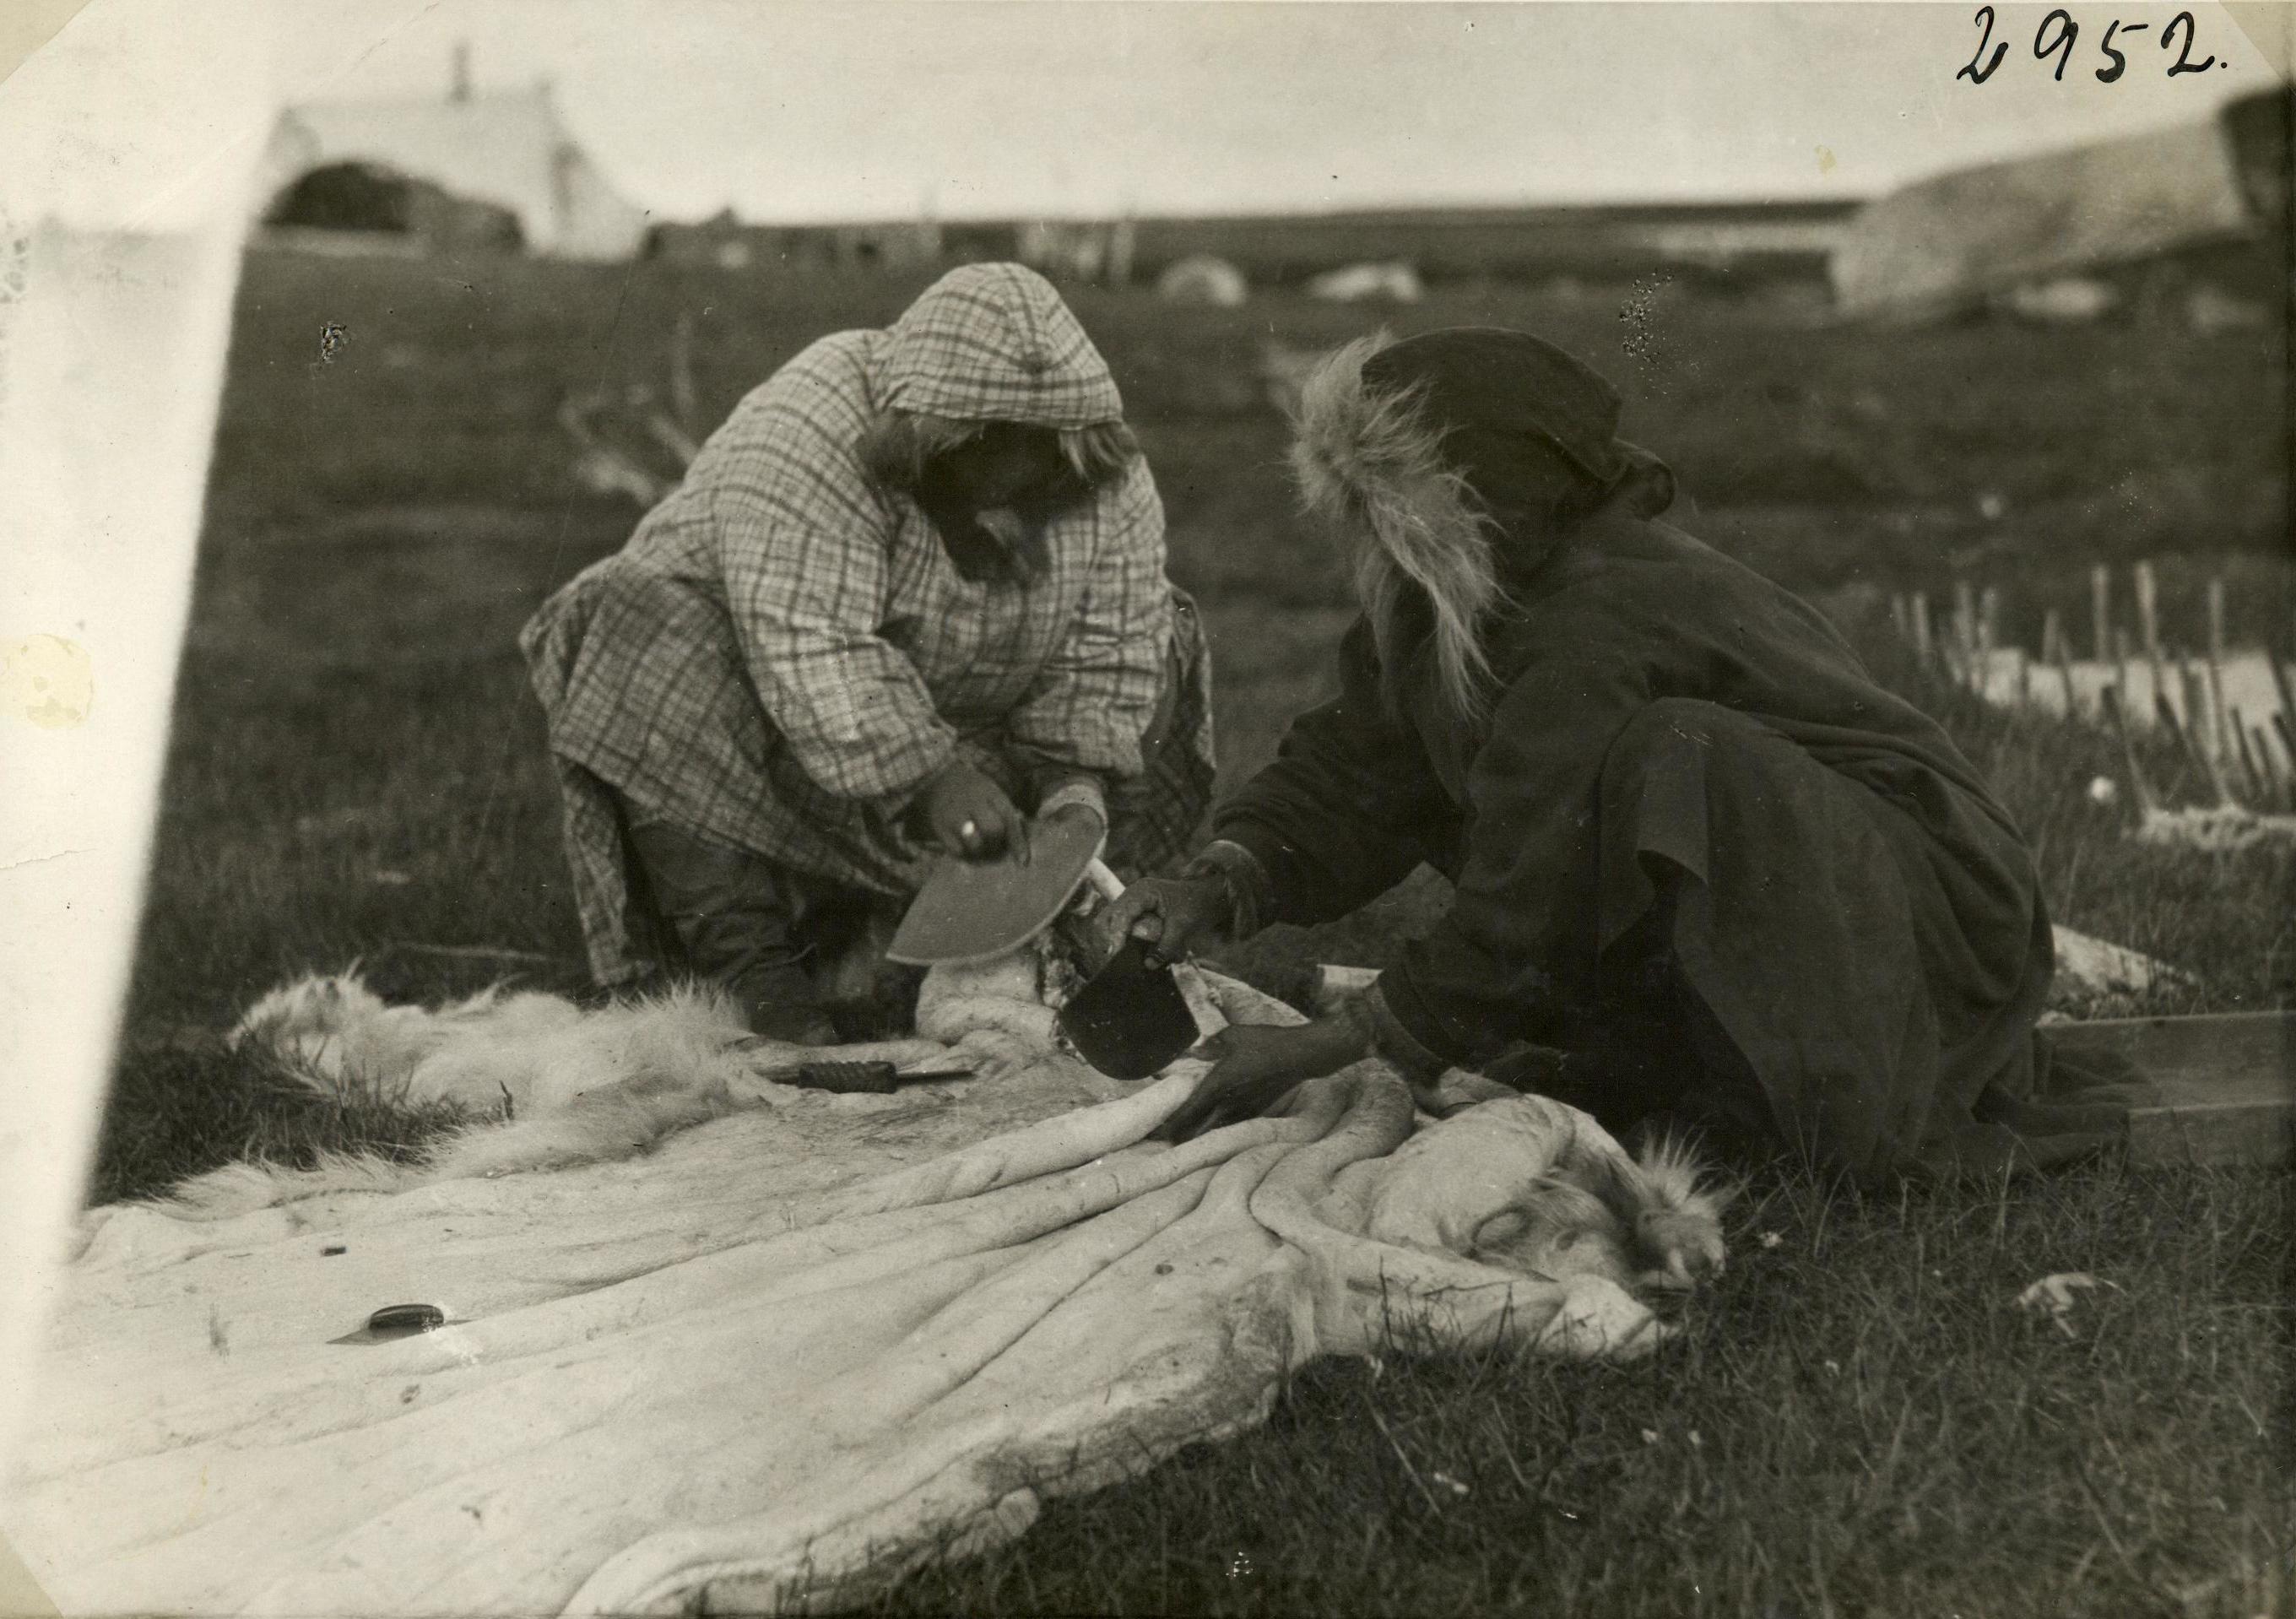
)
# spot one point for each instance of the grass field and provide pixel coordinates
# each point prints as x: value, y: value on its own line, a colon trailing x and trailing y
x: 1857, y: 1421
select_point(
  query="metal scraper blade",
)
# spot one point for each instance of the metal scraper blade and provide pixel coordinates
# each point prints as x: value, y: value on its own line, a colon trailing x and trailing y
x: 1131, y: 1019
x: 972, y: 910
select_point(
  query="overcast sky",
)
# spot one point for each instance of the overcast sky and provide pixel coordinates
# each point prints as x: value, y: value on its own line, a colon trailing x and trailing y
x: 828, y: 108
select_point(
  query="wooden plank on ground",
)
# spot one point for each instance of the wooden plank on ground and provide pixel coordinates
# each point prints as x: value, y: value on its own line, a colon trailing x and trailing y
x: 2227, y: 1084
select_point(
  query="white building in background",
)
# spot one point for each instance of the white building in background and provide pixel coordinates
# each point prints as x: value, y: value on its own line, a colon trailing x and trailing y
x: 506, y: 150
x: 2047, y: 235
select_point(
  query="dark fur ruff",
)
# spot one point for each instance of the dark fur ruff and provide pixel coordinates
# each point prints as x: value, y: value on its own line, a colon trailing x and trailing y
x: 1371, y: 465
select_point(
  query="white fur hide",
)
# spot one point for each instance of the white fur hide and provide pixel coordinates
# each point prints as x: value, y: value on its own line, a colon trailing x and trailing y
x: 1519, y: 1181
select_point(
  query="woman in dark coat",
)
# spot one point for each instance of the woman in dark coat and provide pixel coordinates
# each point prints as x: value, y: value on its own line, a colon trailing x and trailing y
x: 1703, y: 865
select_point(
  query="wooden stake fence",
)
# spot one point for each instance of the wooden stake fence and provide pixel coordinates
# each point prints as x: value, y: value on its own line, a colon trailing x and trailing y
x: 2232, y: 760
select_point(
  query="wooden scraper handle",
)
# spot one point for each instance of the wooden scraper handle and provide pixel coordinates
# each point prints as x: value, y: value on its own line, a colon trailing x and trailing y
x: 1105, y: 882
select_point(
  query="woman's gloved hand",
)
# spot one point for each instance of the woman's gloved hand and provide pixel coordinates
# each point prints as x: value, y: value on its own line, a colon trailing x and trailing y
x: 1255, y: 1066
x: 1171, y: 915
x: 967, y: 815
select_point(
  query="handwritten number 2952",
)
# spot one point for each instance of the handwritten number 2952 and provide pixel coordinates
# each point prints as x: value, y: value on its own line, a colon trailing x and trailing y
x: 2062, y: 47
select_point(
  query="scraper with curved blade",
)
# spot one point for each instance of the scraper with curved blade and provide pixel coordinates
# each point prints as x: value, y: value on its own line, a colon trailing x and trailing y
x: 976, y: 910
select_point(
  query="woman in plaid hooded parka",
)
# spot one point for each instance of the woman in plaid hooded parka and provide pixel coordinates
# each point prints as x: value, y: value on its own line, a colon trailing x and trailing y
x: 913, y: 586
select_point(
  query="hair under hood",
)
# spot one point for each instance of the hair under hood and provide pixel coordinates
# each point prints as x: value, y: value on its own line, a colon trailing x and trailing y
x: 990, y: 346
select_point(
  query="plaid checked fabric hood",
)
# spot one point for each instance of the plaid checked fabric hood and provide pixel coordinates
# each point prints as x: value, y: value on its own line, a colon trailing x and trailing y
x: 994, y: 342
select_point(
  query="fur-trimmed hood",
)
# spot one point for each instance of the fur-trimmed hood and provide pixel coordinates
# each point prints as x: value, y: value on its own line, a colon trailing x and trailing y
x: 1459, y: 458
x: 1372, y: 459
x: 1369, y: 462
x: 1494, y: 419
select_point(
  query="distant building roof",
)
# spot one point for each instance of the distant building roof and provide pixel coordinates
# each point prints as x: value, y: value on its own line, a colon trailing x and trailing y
x: 504, y: 147
x: 1601, y: 241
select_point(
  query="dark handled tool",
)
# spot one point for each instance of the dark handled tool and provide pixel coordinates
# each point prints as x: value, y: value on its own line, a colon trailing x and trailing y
x: 868, y: 1079
x: 396, y: 1321
x: 1130, y: 1019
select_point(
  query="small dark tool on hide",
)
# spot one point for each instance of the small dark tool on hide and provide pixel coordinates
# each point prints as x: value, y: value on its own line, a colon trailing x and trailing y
x: 1130, y: 1019
x: 870, y: 1079
x: 396, y: 1321
x: 976, y: 910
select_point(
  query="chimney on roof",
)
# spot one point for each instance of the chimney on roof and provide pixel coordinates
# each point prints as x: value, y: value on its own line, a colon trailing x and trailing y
x: 459, y: 88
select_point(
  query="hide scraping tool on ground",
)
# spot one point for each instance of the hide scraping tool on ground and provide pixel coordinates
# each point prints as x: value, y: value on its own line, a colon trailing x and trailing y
x: 863, y: 1078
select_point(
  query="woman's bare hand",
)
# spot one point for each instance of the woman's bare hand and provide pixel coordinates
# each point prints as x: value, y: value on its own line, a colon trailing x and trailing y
x: 1255, y: 1066
x: 1171, y: 915
x: 968, y: 815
